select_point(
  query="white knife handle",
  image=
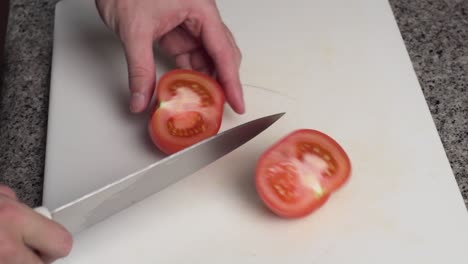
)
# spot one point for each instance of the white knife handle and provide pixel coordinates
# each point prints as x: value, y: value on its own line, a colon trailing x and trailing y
x: 43, y: 211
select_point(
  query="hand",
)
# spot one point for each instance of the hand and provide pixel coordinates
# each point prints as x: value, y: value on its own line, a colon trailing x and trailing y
x: 27, y: 237
x: 191, y: 31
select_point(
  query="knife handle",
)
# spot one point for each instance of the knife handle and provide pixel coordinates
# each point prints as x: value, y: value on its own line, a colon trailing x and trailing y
x: 43, y: 211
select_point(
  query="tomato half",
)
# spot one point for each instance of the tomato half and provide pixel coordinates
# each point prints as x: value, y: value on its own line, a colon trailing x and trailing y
x: 189, y: 108
x: 297, y: 174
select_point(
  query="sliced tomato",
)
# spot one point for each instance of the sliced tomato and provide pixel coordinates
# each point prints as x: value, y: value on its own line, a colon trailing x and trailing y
x: 189, y: 108
x: 297, y: 174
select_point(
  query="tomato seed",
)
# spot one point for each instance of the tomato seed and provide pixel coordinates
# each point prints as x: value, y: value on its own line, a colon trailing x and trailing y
x: 197, y: 126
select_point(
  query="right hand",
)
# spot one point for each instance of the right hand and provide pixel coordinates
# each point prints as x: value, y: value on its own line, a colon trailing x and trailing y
x: 27, y: 237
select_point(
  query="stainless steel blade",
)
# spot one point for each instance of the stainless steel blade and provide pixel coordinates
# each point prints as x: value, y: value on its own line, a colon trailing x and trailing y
x: 104, y: 202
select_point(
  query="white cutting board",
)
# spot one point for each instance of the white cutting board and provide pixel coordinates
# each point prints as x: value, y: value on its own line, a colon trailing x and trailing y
x: 339, y: 66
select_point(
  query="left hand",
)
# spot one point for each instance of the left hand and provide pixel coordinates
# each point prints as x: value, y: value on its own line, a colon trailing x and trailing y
x: 191, y: 31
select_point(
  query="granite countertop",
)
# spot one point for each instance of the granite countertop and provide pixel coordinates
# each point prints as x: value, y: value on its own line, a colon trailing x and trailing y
x: 435, y: 33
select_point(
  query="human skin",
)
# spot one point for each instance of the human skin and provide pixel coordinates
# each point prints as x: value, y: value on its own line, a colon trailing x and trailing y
x: 190, y: 31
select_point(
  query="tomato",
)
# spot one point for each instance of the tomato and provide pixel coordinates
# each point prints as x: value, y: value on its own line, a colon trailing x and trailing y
x: 189, y: 108
x: 297, y: 174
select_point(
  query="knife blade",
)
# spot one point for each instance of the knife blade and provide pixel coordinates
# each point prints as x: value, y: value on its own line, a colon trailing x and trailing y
x: 104, y: 202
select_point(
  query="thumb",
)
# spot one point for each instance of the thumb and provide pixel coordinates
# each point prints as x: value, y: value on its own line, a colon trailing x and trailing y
x: 141, y: 70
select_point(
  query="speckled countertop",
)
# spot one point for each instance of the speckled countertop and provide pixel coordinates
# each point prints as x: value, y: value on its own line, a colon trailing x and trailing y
x: 435, y: 33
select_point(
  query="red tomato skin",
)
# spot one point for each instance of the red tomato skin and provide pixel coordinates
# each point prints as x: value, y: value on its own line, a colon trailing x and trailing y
x: 311, y: 207
x: 156, y: 126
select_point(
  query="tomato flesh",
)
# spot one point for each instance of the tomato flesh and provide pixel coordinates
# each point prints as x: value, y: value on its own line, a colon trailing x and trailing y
x: 298, y: 174
x: 189, y: 108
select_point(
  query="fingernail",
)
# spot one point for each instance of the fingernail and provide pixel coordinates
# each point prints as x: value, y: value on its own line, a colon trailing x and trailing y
x: 137, y: 102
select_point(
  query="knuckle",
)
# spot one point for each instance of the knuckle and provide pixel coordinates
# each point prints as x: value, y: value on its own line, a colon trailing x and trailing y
x: 140, y: 78
x: 211, y: 8
x: 7, y: 191
x: 194, y: 24
x: 9, y: 211
x: 139, y: 72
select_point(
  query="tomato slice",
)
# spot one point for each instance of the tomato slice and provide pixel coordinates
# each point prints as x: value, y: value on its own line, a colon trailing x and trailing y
x: 297, y: 174
x: 189, y: 108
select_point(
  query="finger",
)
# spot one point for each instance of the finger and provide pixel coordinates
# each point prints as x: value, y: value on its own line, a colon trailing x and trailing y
x: 183, y: 61
x: 141, y: 69
x: 233, y: 43
x: 47, y: 237
x: 12, y: 246
x: 48, y: 260
x: 177, y: 42
x: 200, y: 61
x: 29, y: 256
x: 14, y: 251
x: 187, y: 51
x: 225, y: 60
x: 8, y: 192
x: 196, y: 60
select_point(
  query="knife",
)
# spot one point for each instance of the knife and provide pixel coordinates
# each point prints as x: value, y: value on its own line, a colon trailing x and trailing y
x: 102, y: 203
